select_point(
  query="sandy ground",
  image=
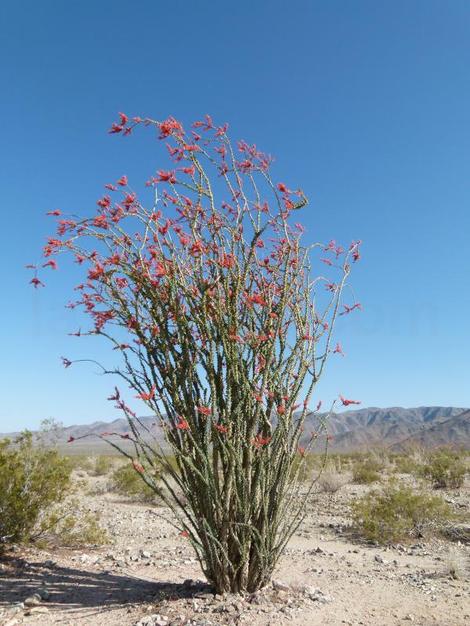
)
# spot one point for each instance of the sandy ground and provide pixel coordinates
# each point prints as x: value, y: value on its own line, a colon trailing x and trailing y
x: 148, y: 576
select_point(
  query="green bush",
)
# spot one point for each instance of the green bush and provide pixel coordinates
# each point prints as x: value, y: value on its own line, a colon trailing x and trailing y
x: 103, y: 465
x: 331, y: 481
x: 81, y: 462
x: 126, y: 481
x: 406, y: 464
x: 445, y: 468
x: 397, y: 513
x: 71, y: 525
x: 32, y: 480
x: 366, y: 471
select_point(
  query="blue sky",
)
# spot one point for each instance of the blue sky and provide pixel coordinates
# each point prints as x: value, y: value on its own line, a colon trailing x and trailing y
x: 364, y: 104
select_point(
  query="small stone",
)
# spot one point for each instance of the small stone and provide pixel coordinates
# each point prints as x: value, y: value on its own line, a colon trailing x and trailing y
x: 153, y: 620
x: 279, y: 585
x: 379, y: 558
x: 317, y: 595
x: 34, y: 600
x: 145, y: 554
x: 44, y: 594
x: 37, y: 610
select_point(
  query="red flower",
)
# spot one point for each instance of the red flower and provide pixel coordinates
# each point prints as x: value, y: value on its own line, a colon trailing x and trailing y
x: 184, y: 533
x: 122, y: 181
x: 51, y: 263
x: 96, y: 272
x: 138, y: 467
x: 100, y: 221
x: 221, y: 428
x: 346, y: 402
x: 182, y: 424
x: 204, y: 410
x: 260, y: 441
x: 115, y: 128
x: 36, y: 282
x: 160, y: 270
x: 170, y: 126
x: 197, y: 248
x: 256, y: 298
x: 227, y: 260
x: 348, y: 309
x: 116, y: 395
x: 147, y: 396
x: 188, y: 170
x: 166, y: 177
x: 104, y: 202
x: 124, y: 118
x: 338, y: 350
x: 56, y: 212
x: 191, y: 148
x: 129, y: 200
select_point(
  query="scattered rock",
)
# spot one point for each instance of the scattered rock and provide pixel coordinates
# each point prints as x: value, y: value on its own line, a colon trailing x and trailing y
x: 153, y: 620
x: 37, y: 610
x: 44, y: 594
x: 316, y: 595
x: 279, y: 585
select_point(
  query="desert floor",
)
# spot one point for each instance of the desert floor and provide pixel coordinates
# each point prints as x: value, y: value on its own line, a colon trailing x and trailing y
x: 148, y: 576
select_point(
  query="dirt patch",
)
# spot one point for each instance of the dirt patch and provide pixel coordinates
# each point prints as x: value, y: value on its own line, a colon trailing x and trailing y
x: 149, y: 576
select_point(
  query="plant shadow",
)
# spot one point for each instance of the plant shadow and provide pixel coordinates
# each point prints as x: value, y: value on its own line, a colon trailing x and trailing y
x: 73, y: 589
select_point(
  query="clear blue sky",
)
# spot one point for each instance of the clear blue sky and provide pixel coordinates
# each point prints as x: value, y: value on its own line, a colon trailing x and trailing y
x: 365, y: 104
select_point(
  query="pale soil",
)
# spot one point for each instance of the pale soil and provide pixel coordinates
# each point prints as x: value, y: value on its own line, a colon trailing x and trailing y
x: 143, y: 572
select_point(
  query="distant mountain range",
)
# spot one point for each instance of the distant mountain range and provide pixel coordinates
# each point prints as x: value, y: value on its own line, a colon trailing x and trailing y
x: 395, y: 428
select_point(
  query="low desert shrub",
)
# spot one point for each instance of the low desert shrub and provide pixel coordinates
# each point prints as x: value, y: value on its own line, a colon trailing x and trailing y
x: 73, y: 526
x: 81, y: 462
x: 331, y: 482
x: 406, y: 464
x: 445, y: 468
x: 397, y: 513
x: 32, y: 480
x: 103, y: 465
x: 126, y: 481
x: 455, y: 566
x: 366, y: 471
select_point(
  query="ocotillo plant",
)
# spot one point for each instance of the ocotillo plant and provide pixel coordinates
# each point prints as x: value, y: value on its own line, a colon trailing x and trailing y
x: 209, y: 298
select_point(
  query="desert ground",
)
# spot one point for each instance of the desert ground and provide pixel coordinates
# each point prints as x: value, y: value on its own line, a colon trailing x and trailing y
x: 148, y: 576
